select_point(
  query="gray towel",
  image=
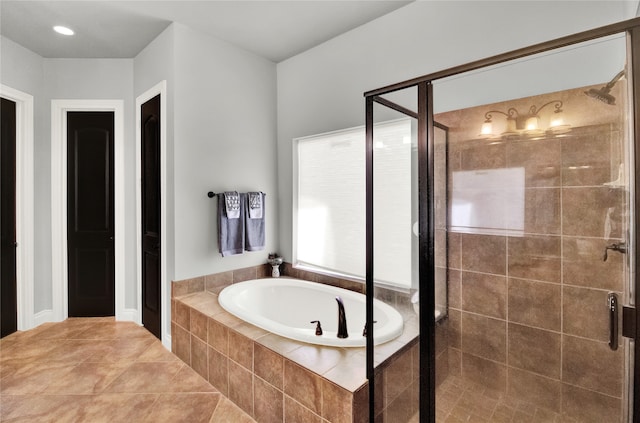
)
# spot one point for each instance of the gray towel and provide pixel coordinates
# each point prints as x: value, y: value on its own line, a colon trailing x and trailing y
x: 230, y: 230
x: 254, y: 238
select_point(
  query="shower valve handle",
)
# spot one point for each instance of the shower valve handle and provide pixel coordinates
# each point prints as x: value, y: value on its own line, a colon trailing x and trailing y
x: 618, y: 246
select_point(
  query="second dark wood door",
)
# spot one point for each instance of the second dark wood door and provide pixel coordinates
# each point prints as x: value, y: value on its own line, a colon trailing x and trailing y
x: 90, y: 213
x: 9, y: 313
x: 150, y: 137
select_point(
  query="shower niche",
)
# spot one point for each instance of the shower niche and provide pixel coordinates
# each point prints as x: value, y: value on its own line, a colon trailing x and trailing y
x: 524, y: 197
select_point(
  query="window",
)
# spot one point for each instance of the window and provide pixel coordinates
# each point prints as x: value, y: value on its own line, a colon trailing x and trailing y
x: 329, y: 203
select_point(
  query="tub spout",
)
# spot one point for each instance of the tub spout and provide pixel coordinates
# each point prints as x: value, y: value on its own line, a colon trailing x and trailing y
x: 342, y: 320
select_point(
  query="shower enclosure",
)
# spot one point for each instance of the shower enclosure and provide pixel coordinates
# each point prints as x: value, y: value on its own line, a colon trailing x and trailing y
x: 523, y: 229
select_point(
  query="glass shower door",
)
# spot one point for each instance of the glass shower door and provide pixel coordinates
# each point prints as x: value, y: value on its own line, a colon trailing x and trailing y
x: 536, y: 235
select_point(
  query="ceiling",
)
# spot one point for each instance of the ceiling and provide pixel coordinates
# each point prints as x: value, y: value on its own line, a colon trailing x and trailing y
x: 275, y: 30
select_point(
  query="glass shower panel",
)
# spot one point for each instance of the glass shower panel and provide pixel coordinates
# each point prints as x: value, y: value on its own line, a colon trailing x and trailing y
x: 536, y: 229
x: 395, y: 270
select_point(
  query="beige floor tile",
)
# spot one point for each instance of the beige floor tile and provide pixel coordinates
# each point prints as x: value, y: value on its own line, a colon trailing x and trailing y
x: 97, y: 370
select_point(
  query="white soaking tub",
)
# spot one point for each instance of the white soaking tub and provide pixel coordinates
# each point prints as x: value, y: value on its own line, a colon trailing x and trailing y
x: 286, y: 307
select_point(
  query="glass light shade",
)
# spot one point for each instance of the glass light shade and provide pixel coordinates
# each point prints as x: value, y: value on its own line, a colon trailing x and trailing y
x: 531, y: 123
x: 487, y: 128
x: 556, y: 120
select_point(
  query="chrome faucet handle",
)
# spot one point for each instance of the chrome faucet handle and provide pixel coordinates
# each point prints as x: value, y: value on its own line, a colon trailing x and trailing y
x: 318, y: 327
x: 620, y: 247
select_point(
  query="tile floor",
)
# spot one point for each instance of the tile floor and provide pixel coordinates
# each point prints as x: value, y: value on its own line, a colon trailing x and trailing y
x: 459, y: 401
x: 99, y: 370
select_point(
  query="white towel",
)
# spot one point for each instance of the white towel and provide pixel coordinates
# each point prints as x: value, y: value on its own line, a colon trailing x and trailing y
x: 232, y: 202
x: 254, y: 200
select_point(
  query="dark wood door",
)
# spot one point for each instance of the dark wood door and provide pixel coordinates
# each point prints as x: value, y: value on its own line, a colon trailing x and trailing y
x: 8, y: 299
x: 90, y: 213
x: 150, y: 137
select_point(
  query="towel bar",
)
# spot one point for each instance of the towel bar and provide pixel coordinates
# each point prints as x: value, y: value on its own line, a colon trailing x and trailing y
x: 212, y: 194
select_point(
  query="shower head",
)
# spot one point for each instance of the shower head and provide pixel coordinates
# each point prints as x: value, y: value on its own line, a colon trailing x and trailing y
x: 602, y: 94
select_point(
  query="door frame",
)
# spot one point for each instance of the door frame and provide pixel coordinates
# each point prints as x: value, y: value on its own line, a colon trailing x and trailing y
x: 59, y: 253
x: 24, y: 204
x: 160, y: 88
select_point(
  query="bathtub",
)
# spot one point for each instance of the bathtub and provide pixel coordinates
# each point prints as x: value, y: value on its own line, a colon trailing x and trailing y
x: 286, y: 307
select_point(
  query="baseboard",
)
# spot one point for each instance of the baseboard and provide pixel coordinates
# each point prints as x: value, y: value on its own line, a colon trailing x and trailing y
x: 128, y: 315
x: 44, y: 316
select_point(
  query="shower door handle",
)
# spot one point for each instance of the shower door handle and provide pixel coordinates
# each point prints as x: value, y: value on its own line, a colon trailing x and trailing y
x: 612, y: 302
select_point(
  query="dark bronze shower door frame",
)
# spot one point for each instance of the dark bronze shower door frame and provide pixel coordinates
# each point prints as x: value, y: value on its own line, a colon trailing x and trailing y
x: 426, y: 212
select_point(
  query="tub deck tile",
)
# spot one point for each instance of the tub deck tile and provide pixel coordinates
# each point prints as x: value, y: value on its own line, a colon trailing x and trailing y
x: 339, y: 371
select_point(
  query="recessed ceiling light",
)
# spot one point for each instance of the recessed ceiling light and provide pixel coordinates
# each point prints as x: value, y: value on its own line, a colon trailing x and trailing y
x: 63, y: 30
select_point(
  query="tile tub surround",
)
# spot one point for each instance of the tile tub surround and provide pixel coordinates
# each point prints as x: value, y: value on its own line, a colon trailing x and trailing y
x: 99, y: 370
x: 528, y: 315
x: 276, y: 379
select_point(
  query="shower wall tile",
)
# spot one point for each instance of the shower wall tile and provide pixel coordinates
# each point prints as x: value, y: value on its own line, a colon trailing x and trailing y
x: 535, y: 350
x: 455, y: 329
x: 535, y: 303
x: 592, y: 212
x: 542, y: 211
x: 441, y: 248
x: 538, y: 390
x: 585, y: 313
x: 484, y: 337
x: 484, y: 372
x: 455, y: 289
x: 592, y: 365
x: 535, y: 257
x: 583, y: 264
x: 484, y: 294
x: 541, y: 160
x: 455, y: 254
x: 589, y: 407
x: 548, y: 313
x: 484, y: 253
x: 586, y: 158
x: 482, y: 154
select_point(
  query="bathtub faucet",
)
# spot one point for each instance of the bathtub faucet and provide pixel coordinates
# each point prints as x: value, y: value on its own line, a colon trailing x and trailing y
x: 342, y: 320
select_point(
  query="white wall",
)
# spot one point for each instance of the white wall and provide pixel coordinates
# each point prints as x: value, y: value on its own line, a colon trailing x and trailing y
x: 48, y: 79
x: 23, y: 70
x: 152, y: 65
x: 322, y: 89
x: 225, y: 139
x: 97, y: 79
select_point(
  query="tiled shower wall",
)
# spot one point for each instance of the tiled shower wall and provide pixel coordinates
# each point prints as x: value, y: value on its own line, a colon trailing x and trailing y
x: 528, y: 313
